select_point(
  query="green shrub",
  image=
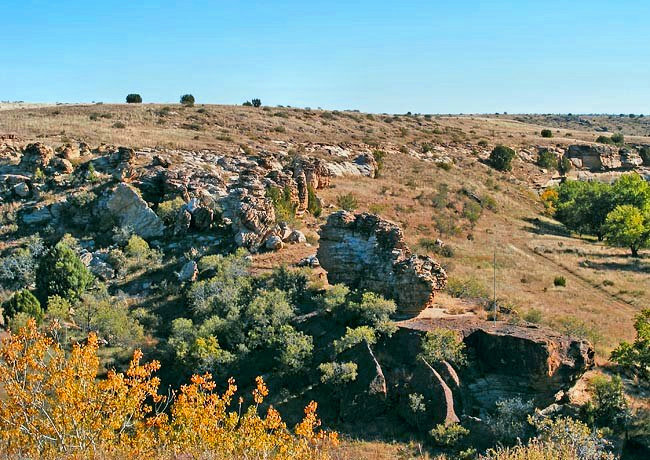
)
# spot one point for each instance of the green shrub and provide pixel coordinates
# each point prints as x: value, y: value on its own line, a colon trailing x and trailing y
x: 247, y: 104
x: 559, y: 281
x: 23, y: 302
x: 347, y: 202
x: 445, y: 165
x: 547, y: 160
x: 58, y: 308
x: 501, y: 158
x: 61, y: 272
x: 533, y: 315
x: 608, y: 406
x: 472, y: 211
x: 440, y: 345
x: 564, y: 438
x: 448, y: 435
x: 111, y: 320
x: 187, y: 100
x: 469, y: 288
x: 482, y: 143
x: 285, y: 209
x: 136, y: 247
x: 256, y: 102
x: 604, y: 140
x: 134, y: 99
x: 119, y: 125
x: 314, y: 206
x: 508, y: 423
x: 168, y: 210
x: 338, y: 373
x: 139, y: 251
x: 635, y: 356
x: 546, y: 133
x: 645, y: 155
x: 570, y: 325
x: 429, y: 244
x: 379, y: 156
x: 618, y: 138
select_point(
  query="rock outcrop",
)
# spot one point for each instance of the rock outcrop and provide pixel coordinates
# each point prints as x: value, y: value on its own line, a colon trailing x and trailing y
x: 367, y: 252
x: 36, y: 156
x: 132, y: 211
x: 251, y: 216
x: 603, y: 157
x: 508, y: 361
x: 122, y: 160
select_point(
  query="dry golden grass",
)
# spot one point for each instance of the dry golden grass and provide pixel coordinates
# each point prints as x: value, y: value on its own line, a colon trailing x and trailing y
x: 524, y: 276
x: 215, y: 126
x: 604, y: 288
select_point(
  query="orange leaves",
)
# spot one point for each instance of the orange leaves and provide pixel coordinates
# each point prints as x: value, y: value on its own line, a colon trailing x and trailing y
x: 261, y: 391
x: 54, y: 406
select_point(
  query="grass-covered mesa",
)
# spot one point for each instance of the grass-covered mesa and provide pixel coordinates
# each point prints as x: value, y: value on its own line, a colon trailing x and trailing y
x: 189, y: 280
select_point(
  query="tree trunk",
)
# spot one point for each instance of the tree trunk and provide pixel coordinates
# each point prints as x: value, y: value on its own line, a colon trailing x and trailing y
x: 452, y: 373
x: 378, y: 384
x: 450, y: 416
x: 635, y: 251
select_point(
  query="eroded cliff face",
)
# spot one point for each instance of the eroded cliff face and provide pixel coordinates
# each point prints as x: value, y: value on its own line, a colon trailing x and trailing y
x: 508, y: 361
x: 365, y: 251
x: 603, y: 157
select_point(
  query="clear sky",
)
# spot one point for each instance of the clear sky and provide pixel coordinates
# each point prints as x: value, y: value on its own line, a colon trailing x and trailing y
x: 380, y: 56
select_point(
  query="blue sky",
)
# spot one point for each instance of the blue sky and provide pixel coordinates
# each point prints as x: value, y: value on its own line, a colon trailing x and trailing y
x: 379, y: 56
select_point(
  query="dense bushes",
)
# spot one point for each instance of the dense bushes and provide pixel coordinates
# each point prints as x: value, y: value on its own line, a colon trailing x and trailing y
x: 619, y: 212
x: 615, y: 139
x: 234, y: 315
x: 546, y: 133
x: 635, y: 356
x: 501, y: 158
x: 547, y: 159
x: 285, y: 208
x: 133, y: 99
x: 168, y: 210
x: 61, y: 272
x: 23, y: 303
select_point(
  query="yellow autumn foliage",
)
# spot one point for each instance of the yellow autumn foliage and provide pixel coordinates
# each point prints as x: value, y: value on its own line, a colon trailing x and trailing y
x: 52, y: 405
x: 549, y: 198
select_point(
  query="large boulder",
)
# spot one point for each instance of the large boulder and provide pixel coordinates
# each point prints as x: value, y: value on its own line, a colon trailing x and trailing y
x: 37, y: 215
x: 62, y: 165
x: 594, y: 157
x: 68, y: 152
x: 251, y: 216
x: 131, y: 210
x: 36, y: 156
x: 630, y: 158
x: 365, y: 251
x: 122, y: 161
x: 189, y: 271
